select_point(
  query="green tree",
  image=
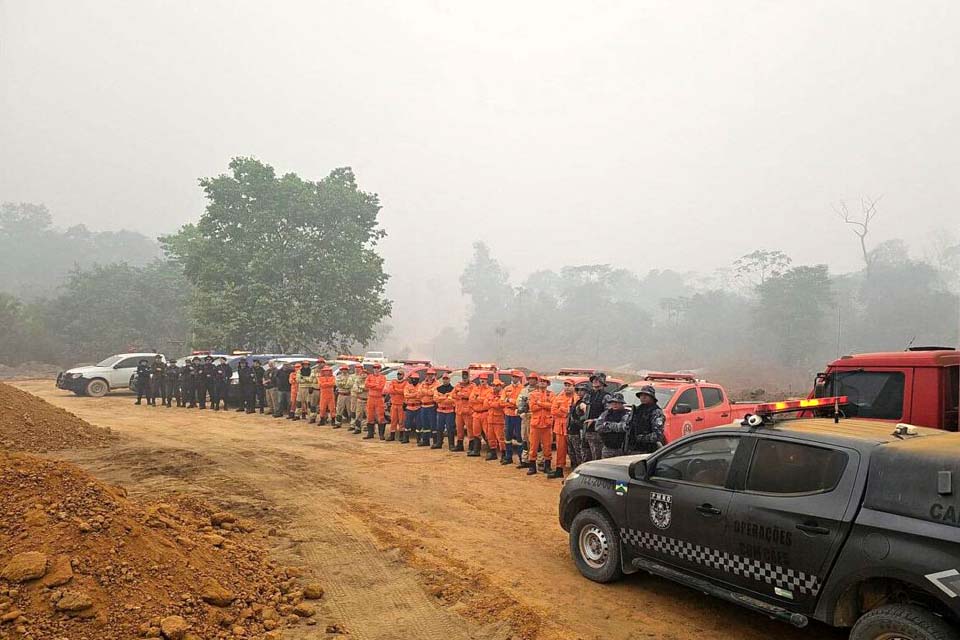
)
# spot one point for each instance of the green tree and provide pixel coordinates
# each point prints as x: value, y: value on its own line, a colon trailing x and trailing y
x: 756, y: 267
x: 795, y: 315
x: 119, y: 307
x: 282, y: 262
x: 486, y: 282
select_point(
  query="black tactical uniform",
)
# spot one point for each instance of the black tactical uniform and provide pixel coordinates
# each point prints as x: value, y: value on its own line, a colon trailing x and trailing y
x: 172, y: 385
x: 613, y: 427
x: 221, y: 385
x: 259, y: 390
x: 646, y: 427
x: 245, y: 384
x: 205, y: 382
x: 143, y: 381
x: 188, y: 383
x: 159, y: 381
x: 596, y: 401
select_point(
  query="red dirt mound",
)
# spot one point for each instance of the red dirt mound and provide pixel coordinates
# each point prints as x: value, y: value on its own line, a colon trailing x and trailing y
x: 79, y: 560
x: 28, y: 423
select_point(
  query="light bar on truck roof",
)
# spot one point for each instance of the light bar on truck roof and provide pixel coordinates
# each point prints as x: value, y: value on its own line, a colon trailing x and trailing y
x: 679, y: 377
x: 798, y: 405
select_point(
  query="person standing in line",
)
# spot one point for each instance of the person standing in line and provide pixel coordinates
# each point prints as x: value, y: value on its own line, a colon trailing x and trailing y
x: 446, y: 413
x: 395, y: 390
x: 270, y: 386
x: 306, y: 381
x: 246, y: 385
x: 411, y: 408
x: 575, y: 428
x: 188, y: 382
x: 172, y: 375
x: 282, y: 379
x: 375, y: 411
x: 294, y: 391
x: 344, y: 387
x: 523, y: 410
x: 595, y: 403
x: 361, y: 393
x: 494, y: 423
x: 461, y: 395
x: 259, y: 390
x: 478, y: 410
x: 326, y: 405
x: 513, y: 438
x: 560, y: 416
x: 205, y: 381
x: 143, y: 380
x: 428, y: 409
x: 613, y: 427
x: 541, y: 426
x: 221, y: 384
x: 158, y: 381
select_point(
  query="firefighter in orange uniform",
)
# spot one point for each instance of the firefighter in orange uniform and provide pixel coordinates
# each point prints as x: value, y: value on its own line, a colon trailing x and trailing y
x: 560, y: 413
x: 511, y: 436
x: 428, y: 409
x: 478, y: 410
x: 294, y: 388
x: 375, y: 384
x: 326, y: 406
x: 395, y: 389
x: 461, y: 394
x: 411, y: 407
x: 493, y: 427
x: 446, y: 412
x: 541, y: 426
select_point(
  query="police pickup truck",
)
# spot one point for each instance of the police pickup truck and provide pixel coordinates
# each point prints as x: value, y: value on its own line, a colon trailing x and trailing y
x: 852, y: 522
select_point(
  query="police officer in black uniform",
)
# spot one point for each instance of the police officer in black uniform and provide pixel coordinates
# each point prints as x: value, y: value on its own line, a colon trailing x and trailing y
x: 172, y: 385
x: 245, y: 386
x: 221, y: 384
x: 188, y: 382
x: 205, y: 381
x: 143, y: 380
x: 158, y: 380
x: 646, y: 427
x: 593, y: 404
x: 259, y: 391
x: 613, y: 427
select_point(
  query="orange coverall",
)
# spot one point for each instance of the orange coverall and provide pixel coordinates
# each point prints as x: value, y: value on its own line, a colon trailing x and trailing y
x: 294, y: 386
x: 510, y: 394
x: 541, y: 424
x: 493, y: 426
x: 478, y: 409
x: 375, y: 384
x: 396, y: 389
x: 560, y: 412
x: 461, y: 393
x: 327, y: 407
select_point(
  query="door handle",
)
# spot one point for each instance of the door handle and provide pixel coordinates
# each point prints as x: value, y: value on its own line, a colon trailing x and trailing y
x: 814, y: 528
x: 709, y: 510
x: 700, y: 419
x: 724, y: 415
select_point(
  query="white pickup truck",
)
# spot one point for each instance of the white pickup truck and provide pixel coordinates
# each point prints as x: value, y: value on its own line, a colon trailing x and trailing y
x: 99, y: 379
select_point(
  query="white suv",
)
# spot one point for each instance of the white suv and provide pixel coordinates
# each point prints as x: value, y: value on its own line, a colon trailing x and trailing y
x: 98, y: 380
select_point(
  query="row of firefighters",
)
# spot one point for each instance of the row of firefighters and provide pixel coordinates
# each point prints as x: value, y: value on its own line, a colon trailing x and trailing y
x: 583, y: 422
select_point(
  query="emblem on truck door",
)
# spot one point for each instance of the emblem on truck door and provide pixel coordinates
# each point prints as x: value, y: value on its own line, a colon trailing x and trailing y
x: 660, y: 509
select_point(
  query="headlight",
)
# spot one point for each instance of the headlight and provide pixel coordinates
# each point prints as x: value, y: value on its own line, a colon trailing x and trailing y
x: 74, y: 375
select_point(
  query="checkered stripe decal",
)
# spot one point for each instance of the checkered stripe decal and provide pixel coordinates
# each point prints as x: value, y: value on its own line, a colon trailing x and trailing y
x: 788, y: 579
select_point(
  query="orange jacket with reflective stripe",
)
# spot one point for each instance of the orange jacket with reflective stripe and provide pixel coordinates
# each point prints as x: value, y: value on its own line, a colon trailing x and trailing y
x: 375, y: 384
x: 509, y: 396
x: 560, y: 411
x: 326, y: 384
x: 426, y: 393
x: 461, y: 394
x: 541, y: 402
x: 411, y: 396
x: 478, y: 399
x: 396, y: 390
x: 495, y: 408
x: 445, y: 401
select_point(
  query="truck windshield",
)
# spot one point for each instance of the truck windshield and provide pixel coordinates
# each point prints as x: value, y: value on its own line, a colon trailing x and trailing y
x: 109, y: 362
x: 873, y: 394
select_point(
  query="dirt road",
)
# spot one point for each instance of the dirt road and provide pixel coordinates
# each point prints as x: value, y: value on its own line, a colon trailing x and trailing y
x: 413, y: 544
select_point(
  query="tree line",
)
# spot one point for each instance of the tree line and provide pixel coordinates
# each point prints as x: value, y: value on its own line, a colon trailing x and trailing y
x: 274, y: 263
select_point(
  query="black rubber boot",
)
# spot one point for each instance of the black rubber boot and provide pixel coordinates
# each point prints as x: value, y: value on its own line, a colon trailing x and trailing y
x: 404, y: 437
x: 507, y: 457
x: 451, y: 442
x: 474, y: 448
x: 420, y: 440
x: 391, y: 436
x: 369, y: 434
x: 459, y: 446
x: 546, y: 466
x: 356, y: 429
x: 525, y: 465
x: 381, y: 429
x: 437, y: 440
x: 491, y: 455
x: 556, y: 473
x: 532, y: 468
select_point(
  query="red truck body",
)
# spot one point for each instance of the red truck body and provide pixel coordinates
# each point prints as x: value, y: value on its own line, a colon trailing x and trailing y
x: 919, y: 386
x: 708, y: 403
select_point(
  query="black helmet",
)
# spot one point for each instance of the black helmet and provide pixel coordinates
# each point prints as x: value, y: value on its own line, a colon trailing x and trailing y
x: 648, y: 390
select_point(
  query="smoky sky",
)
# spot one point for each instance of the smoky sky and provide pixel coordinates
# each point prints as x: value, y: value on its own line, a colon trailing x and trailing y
x: 642, y: 134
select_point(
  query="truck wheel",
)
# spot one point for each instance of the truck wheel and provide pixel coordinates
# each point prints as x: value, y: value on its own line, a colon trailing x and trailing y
x: 97, y: 388
x: 595, y: 545
x: 902, y: 622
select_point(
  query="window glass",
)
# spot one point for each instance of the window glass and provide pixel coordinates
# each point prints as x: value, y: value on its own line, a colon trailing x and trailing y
x: 130, y: 362
x: 950, y: 396
x: 872, y: 394
x: 689, y: 398
x: 788, y: 467
x: 703, y: 461
x: 109, y: 362
x: 712, y: 396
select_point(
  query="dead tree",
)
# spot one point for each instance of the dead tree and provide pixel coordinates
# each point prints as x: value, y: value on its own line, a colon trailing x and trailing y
x: 861, y: 224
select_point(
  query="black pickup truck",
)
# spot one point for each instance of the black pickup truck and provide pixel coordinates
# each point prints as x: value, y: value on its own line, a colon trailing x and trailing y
x: 851, y: 522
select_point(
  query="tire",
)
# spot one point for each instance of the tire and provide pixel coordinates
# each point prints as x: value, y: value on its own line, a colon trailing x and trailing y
x: 902, y: 622
x: 97, y: 388
x: 595, y: 545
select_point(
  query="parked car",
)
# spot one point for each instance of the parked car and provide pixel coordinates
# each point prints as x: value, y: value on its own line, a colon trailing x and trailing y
x: 107, y: 375
x: 852, y: 522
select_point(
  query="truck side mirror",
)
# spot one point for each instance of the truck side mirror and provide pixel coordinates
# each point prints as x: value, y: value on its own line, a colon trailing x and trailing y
x: 682, y: 408
x: 820, y: 385
x: 639, y: 470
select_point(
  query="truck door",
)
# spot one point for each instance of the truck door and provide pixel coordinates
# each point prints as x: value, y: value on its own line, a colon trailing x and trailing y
x: 679, y: 514
x: 119, y: 376
x: 716, y: 408
x: 787, y: 524
x: 687, y: 414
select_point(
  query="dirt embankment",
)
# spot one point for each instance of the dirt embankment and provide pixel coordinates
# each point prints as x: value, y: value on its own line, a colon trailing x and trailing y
x: 80, y: 560
x: 27, y: 423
